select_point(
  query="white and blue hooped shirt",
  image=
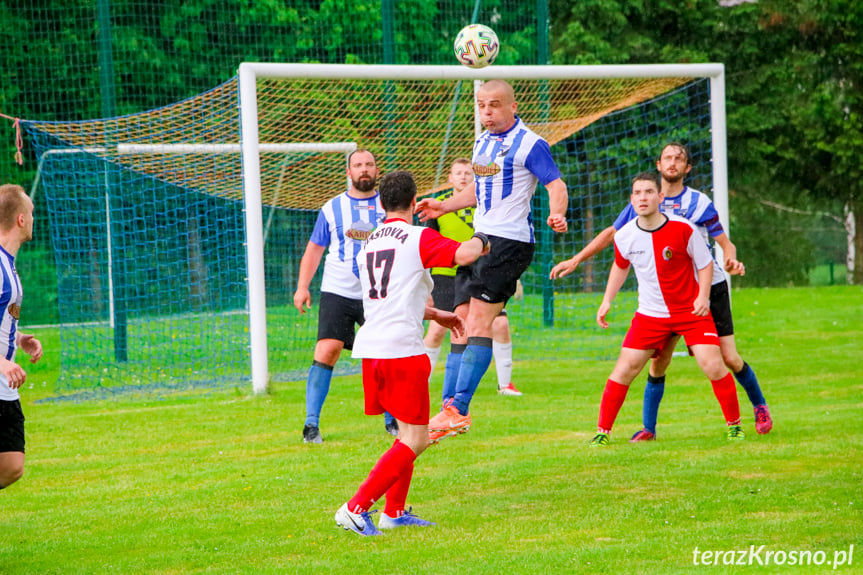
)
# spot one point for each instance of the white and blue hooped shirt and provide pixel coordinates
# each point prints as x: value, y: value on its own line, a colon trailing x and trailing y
x: 506, y: 169
x: 343, y: 225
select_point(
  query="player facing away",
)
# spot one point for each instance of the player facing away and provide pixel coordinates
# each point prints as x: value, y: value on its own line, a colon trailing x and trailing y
x: 396, y: 285
x: 450, y: 294
x: 342, y: 227
x: 16, y: 227
x: 673, y: 165
x: 508, y: 161
x: 674, y: 269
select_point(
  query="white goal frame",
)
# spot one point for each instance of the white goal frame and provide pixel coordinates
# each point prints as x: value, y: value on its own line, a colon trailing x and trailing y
x: 250, y: 72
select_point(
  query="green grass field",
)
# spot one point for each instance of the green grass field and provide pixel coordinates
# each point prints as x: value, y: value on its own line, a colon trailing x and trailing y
x: 219, y: 482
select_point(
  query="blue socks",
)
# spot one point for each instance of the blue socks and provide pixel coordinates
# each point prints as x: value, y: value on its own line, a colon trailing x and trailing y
x: 653, y: 392
x: 747, y: 380
x: 317, y: 388
x: 453, y: 364
x: 474, y: 363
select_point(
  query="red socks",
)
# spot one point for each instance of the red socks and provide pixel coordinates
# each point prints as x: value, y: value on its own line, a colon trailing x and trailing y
x: 612, y: 400
x: 397, y: 495
x: 394, y: 466
x: 726, y: 393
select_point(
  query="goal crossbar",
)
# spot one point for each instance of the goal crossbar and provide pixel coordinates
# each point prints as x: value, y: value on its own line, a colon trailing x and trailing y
x: 250, y: 73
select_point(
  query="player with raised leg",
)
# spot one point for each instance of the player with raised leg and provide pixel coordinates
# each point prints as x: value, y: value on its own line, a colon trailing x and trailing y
x: 396, y: 285
x: 674, y: 164
x: 674, y: 269
x: 450, y: 294
x: 508, y: 161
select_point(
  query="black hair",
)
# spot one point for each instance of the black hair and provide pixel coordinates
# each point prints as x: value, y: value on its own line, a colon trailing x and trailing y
x: 649, y: 177
x: 397, y: 190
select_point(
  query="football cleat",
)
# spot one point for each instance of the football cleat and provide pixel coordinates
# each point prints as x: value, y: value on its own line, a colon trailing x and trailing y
x: 393, y: 428
x: 763, y: 421
x: 406, y: 519
x: 508, y: 390
x: 599, y: 440
x: 436, y: 436
x: 359, y: 523
x: 312, y: 434
x: 643, y: 435
x: 735, y: 433
x: 449, y: 419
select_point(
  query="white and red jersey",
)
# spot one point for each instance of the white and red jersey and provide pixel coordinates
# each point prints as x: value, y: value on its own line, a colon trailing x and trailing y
x: 666, y: 262
x: 396, y: 285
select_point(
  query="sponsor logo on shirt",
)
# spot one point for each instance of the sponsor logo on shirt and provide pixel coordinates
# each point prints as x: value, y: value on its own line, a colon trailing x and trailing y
x: 360, y: 231
x: 484, y: 166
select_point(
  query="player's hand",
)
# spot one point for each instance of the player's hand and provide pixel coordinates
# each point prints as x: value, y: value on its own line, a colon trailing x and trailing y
x: 701, y: 307
x: 302, y: 299
x: 564, y: 268
x: 13, y: 372
x: 519, y: 291
x: 31, y: 346
x: 451, y: 321
x: 735, y: 267
x: 557, y: 222
x: 604, y: 307
x: 429, y: 209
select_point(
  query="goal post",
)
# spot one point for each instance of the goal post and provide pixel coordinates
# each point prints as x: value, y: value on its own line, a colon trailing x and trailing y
x: 568, y: 117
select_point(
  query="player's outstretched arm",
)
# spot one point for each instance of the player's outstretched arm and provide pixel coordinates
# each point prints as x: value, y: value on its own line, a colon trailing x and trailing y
x: 616, y: 277
x: 557, y: 205
x: 469, y: 251
x: 308, y: 266
x: 30, y: 345
x: 729, y: 251
x: 447, y: 319
x: 430, y: 208
x: 596, y: 245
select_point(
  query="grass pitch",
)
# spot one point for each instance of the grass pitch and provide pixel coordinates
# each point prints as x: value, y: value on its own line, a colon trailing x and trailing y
x: 219, y: 482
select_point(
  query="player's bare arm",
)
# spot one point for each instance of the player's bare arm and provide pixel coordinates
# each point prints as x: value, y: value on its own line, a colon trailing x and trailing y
x: 30, y: 345
x: 731, y: 264
x: 308, y: 266
x: 701, y: 306
x: 604, y: 239
x: 446, y: 319
x: 469, y: 251
x: 430, y: 208
x: 616, y: 278
x: 557, y: 205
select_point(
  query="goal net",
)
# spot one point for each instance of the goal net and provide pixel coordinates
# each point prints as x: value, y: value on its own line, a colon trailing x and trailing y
x: 178, y: 232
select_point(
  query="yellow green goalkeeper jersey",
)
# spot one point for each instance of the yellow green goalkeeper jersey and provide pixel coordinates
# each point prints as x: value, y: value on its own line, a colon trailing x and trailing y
x: 457, y: 225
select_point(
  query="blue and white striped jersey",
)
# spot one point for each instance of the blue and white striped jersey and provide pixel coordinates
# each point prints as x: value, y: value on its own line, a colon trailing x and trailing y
x: 11, y: 295
x: 695, y: 207
x: 506, y: 169
x: 343, y: 225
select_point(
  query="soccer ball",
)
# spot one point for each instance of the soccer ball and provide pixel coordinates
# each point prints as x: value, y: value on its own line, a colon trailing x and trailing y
x: 476, y: 46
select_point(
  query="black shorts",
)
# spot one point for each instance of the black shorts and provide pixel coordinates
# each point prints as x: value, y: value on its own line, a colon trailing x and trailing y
x: 451, y: 291
x: 11, y: 426
x: 720, y: 309
x: 338, y: 317
x: 495, y: 275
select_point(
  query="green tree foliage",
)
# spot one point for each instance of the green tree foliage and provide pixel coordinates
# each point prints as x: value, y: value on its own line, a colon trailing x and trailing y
x: 793, y: 82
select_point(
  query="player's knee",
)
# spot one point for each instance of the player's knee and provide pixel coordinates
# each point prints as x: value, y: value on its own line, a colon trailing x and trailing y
x: 11, y: 473
x: 732, y: 360
x: 714, y: 369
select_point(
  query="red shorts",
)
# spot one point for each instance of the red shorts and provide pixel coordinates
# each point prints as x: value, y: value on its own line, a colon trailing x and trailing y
x: 399, y: 386
x: 647, y: 332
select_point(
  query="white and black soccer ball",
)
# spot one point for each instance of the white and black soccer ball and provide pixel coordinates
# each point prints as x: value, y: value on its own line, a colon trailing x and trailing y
x: 476, y: 46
